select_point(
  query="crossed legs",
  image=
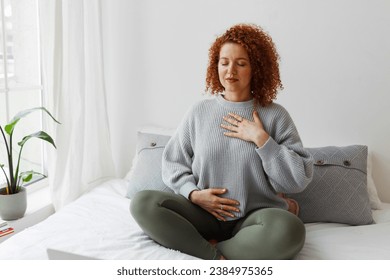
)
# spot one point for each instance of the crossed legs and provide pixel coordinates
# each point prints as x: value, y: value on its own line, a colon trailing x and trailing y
x: 174, y: 222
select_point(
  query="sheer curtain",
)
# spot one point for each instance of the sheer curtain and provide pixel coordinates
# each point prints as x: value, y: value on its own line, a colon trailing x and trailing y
x: 71, y: 43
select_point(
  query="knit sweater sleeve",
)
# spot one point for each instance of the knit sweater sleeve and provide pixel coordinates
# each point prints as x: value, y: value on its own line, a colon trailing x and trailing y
x: 177, y: 158
x: 288, y: 165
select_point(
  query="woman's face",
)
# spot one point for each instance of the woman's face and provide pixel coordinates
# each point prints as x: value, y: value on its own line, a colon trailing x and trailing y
x: 235, y: 72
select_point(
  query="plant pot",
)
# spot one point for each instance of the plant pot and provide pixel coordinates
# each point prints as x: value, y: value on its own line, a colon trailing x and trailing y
x: 13, y: 206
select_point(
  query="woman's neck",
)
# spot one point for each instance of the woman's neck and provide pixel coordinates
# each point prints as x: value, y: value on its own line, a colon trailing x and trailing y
x: 235, y: 97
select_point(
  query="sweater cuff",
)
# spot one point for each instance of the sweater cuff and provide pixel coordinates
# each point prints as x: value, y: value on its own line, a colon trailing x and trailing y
x: 269, y: 150
x: 187, y: 188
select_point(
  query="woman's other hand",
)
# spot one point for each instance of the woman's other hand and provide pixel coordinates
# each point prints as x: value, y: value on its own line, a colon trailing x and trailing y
x: 210, y: 200
x: 251, y: 131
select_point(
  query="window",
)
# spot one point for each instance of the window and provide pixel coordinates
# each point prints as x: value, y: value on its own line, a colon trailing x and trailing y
x: 20, y: 76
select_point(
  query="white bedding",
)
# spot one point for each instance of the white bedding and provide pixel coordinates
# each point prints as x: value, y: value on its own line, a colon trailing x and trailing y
x: 99, y: 225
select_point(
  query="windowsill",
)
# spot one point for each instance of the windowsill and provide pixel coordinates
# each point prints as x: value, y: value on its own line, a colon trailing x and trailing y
x: 38, y: 198
x: 39, y: 207
x: 37, y: 185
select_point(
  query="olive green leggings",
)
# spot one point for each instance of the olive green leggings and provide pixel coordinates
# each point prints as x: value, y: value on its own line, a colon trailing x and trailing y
x: 175, y: 222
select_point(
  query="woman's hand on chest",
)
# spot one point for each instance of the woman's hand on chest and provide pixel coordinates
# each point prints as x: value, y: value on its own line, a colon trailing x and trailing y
x: 247, y: 130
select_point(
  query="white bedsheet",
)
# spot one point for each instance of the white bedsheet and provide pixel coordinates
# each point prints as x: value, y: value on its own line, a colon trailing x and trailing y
x: 99, y: 225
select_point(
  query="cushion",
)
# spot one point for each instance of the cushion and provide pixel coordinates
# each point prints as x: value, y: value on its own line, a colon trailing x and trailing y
x: 150, y: 162
x: 375, y: 201
x: 146, y: 172
x: 148, y: 130
x: 338, y: 192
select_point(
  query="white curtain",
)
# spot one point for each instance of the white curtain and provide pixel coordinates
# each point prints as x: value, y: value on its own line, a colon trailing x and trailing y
x: 73, y: 77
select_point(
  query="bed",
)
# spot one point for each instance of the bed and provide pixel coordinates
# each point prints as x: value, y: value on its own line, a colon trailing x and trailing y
x: 99, y: 223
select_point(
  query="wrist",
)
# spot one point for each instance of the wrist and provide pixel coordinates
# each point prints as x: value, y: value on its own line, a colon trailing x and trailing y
x: 192, y: 194
x: 261, y: 139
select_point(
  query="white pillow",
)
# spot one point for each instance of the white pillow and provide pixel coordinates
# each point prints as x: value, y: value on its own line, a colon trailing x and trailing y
x: 152, y: 130
x: 147, y: 170
x: 375, y: 202
x: 382, y: 215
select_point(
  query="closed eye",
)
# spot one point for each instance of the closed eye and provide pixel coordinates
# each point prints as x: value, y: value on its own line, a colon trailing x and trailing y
x: 242, y: 62
x: 224, y: 62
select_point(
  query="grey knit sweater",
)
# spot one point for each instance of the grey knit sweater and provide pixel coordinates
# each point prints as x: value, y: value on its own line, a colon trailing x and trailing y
x: 200, y: 156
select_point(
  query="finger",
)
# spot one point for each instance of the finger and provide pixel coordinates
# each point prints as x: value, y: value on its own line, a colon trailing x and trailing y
x: 228, y: 201
x: 218, y: 216
x: 218, y: 190
x: 237, y: 117
x: 226, y: 213
x: 231, y: 121
x: 228, y: 205
x: 228, y: 209
x: 256, y: 118
x: 229, y: 127
x: 222, y: 210
x: 231, y: 134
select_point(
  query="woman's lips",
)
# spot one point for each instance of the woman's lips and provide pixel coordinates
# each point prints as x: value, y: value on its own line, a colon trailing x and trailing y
x: 231, y: 80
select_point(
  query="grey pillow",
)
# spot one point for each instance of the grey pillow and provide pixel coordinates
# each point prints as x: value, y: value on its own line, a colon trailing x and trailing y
x: 146, y: 173
x: 338, y: 191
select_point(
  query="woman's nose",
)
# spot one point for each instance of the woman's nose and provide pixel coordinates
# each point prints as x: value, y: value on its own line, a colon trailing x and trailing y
x: 232, y: 69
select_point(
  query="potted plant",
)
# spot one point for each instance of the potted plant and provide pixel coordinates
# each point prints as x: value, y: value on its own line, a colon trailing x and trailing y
x: 13, y: 199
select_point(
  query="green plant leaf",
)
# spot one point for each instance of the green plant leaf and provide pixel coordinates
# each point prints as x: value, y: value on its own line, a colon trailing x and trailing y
x: 5, y: 174
x: 27, y: 178
x: 28, y: 175
x: 9, y: 128
x: 41, y: 135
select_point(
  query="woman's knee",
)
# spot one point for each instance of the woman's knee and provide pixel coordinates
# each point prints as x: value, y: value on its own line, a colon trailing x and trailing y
x: 282, y: 223
x: 281, y: 232
x: 289, y: 231
x: 276, y: 218
x: 143, y: 203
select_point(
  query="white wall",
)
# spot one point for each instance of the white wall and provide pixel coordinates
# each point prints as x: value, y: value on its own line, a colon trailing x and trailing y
x: 335, y: 67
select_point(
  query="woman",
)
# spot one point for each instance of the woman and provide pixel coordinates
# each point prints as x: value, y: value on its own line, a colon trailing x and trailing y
x: 229, y: 159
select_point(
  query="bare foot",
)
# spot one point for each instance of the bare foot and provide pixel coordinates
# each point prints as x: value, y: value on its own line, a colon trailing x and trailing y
x: 213, y: 242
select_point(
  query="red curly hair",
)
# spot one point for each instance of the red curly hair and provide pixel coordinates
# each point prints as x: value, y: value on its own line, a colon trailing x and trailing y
x: 263, y: 57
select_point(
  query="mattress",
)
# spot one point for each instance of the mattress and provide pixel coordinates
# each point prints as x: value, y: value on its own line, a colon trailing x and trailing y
x: 99, y: 225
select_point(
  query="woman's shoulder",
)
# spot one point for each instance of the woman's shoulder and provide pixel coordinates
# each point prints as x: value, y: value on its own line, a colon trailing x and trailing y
x: 206, y: 101
x: 203, y: 104
x: 274, y: 109
x: 198, y: 109
x: 277, y: 117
